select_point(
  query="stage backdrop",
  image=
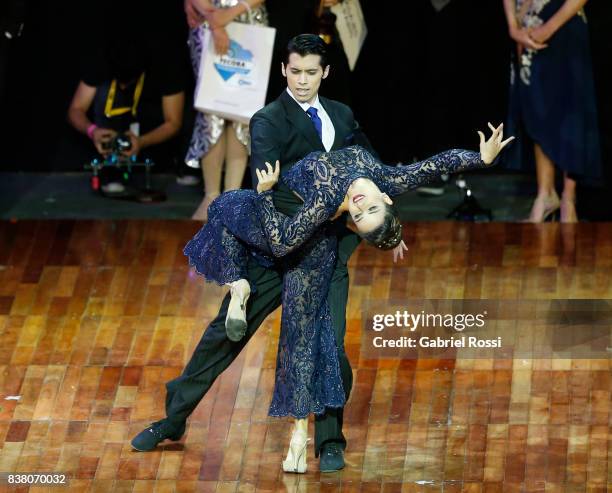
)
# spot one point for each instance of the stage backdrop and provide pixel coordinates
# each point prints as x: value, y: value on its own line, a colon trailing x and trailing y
x: 424, y: 81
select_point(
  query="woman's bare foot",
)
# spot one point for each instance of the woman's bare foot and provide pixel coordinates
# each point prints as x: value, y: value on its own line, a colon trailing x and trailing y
x: 235, y: 321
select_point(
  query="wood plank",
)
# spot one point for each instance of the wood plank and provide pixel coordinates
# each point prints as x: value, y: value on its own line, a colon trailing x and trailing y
x: 95, y: 317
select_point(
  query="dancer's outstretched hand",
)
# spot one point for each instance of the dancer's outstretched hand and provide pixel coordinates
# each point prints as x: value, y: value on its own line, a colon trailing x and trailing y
x: 267, y: 178
x: 489, y: 149
x: 398, y: 251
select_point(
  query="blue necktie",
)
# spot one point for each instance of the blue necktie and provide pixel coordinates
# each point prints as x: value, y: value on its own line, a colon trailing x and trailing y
x: 316, y: 121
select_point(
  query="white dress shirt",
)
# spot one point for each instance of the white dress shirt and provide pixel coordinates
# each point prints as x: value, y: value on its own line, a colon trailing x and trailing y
x: 328, y: 133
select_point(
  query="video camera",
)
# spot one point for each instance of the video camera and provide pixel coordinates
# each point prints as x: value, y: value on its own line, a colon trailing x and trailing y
x: 118, y: 144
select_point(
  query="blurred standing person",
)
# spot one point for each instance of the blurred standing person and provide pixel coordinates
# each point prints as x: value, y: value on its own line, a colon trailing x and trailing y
x: 294, y: 17
x: 216, y: 140
x: 552, y: 100
x: 324, y: 24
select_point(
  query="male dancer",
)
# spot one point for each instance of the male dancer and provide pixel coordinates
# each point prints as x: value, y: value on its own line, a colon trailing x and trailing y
x: 297, y: 123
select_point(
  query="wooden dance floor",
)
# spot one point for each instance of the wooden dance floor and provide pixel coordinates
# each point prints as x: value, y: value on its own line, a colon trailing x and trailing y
x: 95, y: 316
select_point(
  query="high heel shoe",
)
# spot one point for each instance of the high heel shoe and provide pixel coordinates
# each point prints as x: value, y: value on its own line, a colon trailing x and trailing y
x: 568, y: 211
x: 235, y: 321
x: 296, y: 455
x: 543, y: 207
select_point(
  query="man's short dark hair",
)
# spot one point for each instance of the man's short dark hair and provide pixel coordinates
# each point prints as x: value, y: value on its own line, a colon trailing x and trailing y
x: 308, y: 44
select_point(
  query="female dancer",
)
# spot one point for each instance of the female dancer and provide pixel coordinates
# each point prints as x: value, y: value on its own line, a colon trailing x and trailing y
x: 244, y: 222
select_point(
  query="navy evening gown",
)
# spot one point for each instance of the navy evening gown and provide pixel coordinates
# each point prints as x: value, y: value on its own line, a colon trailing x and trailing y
x: 243, y: 223
x: 552, y: 97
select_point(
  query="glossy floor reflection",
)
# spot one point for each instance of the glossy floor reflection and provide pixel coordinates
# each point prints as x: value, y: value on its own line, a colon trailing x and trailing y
x: 95, y: 316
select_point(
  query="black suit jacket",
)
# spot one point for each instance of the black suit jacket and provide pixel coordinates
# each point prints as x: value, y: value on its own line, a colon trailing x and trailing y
x: 282, y: 130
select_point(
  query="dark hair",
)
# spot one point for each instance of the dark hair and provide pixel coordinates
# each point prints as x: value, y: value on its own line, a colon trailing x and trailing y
x: 389, y: 234
x: 308, y: 44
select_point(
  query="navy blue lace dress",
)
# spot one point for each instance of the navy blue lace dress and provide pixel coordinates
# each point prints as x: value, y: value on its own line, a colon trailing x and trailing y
x: 552, y: 97
x: 243, y: 223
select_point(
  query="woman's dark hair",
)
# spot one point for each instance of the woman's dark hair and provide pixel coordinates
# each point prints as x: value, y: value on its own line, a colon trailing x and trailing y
x: 308, y: 44
x: 389, y: 234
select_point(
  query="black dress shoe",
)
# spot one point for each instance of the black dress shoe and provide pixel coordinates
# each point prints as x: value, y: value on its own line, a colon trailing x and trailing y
x: 148, y: 438
x: 332, y: 457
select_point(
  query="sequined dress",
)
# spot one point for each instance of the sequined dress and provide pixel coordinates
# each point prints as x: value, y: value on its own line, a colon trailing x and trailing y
x: 243, y: 223
x: 207, y: 128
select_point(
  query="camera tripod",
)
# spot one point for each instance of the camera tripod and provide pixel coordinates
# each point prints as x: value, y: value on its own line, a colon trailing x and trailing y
x: 125, y: 166
x: 469, y: 209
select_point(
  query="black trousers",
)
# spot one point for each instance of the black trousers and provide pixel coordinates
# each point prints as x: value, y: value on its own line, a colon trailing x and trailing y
x: 215, y: 352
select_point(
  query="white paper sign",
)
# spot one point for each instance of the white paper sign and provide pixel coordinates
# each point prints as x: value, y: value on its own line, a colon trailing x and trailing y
x: 351, y: 27
x: 234, y: 85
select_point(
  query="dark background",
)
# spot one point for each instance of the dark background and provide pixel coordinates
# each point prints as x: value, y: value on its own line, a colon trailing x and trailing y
x: 424, y: 81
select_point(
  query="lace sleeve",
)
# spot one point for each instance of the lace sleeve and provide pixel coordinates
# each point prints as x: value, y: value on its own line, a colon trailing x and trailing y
x: 284, y: 233
x: 399, y: 179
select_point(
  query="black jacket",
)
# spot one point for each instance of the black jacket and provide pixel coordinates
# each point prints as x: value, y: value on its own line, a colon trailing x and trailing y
x: 282, y: 130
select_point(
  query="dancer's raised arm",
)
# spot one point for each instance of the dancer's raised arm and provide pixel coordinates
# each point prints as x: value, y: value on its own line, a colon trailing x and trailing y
x: 399, y: 179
